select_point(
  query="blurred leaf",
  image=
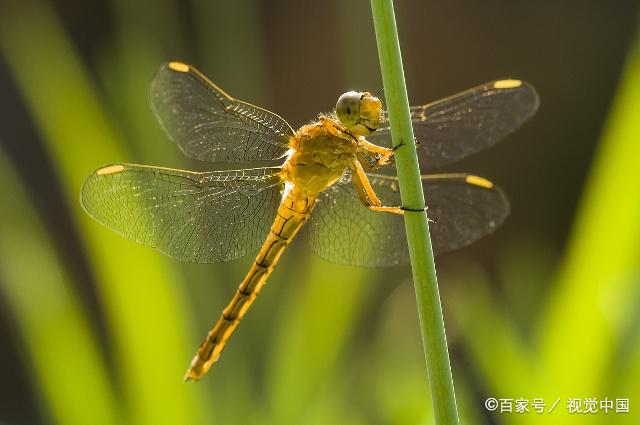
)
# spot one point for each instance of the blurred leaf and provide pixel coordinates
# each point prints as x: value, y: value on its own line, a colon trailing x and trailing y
x: 147, y: 315
x: 63, y: 358
x: 627, y: 384
x: 594, y: 301
x: 232, y: 49
x: 144, y: 30
x: 397, y: 372
x: 316, y: 320
x: 592, y: 298
x: 526, y: 266
x: 499, y: 352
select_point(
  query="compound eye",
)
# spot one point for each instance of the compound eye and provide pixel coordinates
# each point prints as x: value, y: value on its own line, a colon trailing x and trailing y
x: 348, y: 108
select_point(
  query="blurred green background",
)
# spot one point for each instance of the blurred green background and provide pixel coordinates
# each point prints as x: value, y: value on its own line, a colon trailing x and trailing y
x: 97, y: 330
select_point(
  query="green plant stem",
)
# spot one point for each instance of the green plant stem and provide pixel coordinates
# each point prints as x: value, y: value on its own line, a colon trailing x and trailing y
x: 416, y: 224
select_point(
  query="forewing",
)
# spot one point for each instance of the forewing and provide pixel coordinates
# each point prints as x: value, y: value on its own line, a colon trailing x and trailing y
x: 464, y: 207
x: 198, y: 217
x: 208, y: 124
x: 452, y: 128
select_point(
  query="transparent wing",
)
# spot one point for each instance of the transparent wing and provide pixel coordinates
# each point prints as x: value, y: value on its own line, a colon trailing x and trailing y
x: 452, y: 128
x: 198, y: 217
x: 342, y: 230
x: 208, y: 124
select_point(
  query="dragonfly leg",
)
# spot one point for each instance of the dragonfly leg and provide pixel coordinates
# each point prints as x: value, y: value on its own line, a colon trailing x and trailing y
x: 397, y: 210
x: 393, y: 210
x: 382, y: 154
x: 366, y: 192
x: 337, y: 130
x: 370, y: 162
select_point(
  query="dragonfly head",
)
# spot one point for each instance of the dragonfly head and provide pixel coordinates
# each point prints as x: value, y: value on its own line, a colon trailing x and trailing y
x: 359, y: 112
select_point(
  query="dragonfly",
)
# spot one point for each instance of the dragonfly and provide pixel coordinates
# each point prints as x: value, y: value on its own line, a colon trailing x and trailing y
x: 334, y: 174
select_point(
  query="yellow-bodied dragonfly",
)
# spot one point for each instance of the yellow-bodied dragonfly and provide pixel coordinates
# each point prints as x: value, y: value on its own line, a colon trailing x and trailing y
x: 217, y: 216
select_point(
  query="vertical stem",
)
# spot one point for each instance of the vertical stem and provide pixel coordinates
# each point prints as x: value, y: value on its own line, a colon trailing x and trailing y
x: 416, y: 224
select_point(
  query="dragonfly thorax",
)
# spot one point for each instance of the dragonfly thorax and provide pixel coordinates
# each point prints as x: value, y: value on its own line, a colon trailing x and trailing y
x: 318, y: 157
x: 359, y: 112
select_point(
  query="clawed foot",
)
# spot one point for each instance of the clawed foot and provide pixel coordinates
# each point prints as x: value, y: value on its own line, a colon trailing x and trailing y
x: 413, y: 210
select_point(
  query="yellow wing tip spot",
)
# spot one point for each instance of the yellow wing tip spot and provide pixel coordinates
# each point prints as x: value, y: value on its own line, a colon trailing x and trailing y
x: 110, y: 169
x: 479, y: 181
x: 507, y: 84
x: 179, y: 66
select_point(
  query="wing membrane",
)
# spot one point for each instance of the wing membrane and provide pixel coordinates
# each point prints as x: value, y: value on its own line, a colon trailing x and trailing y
x: 452, y: 128
x: 342, y: 230
x: 199, y: 217
x: 208, y: 124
